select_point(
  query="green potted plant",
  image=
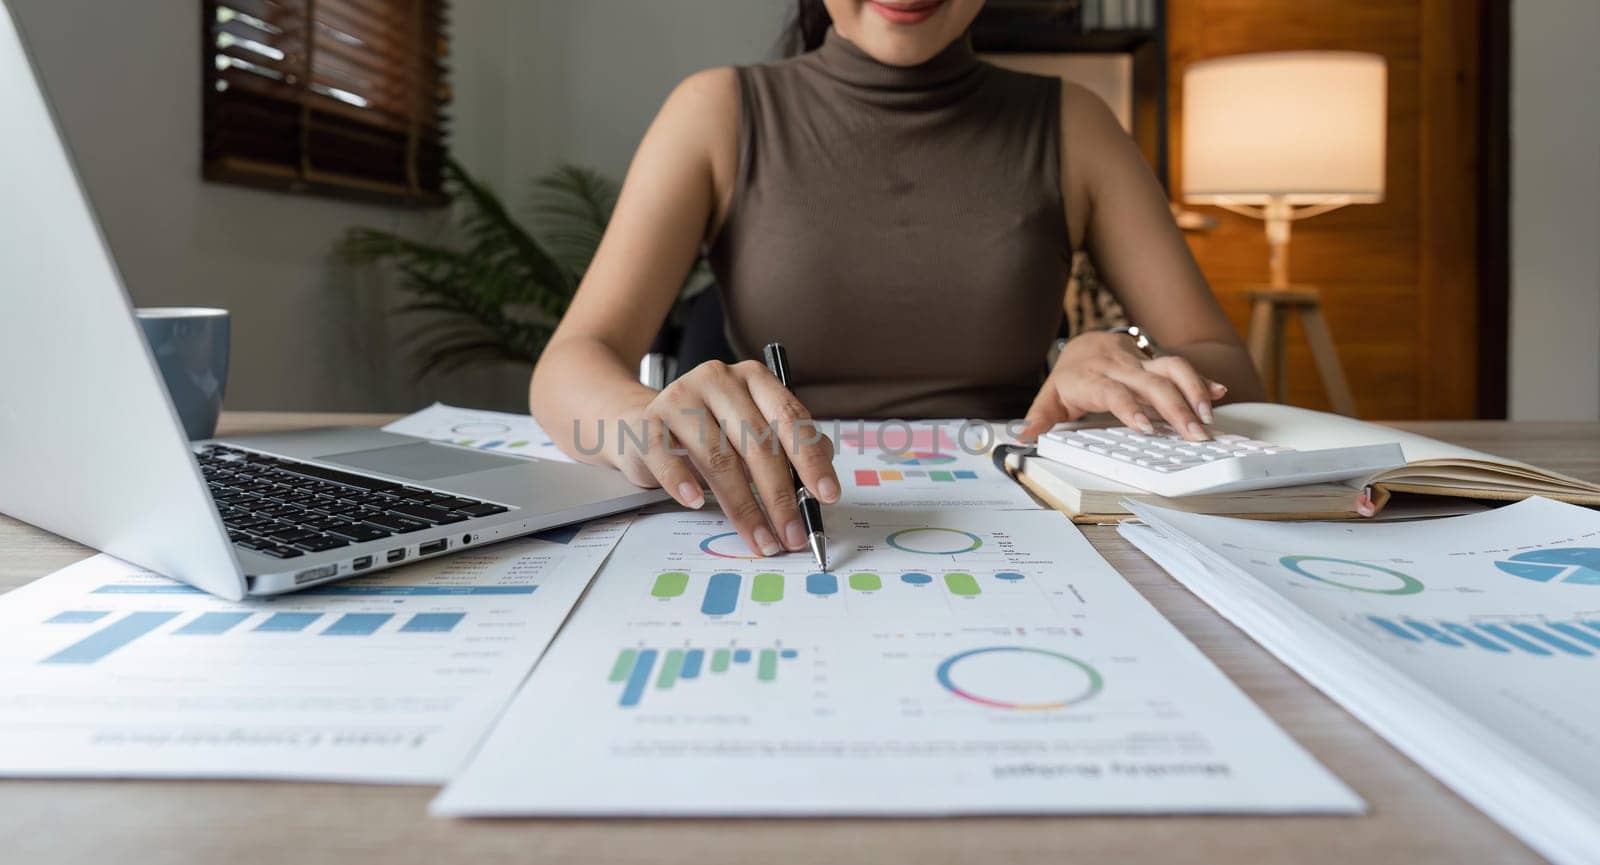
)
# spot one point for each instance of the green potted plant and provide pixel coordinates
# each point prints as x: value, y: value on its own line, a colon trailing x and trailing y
x: 496, y: 293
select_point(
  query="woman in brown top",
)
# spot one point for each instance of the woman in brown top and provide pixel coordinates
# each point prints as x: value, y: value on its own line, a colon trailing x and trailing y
x: 902, y: 217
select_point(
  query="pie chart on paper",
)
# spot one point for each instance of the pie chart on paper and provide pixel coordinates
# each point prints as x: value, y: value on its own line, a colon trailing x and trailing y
x: 1576, y: 565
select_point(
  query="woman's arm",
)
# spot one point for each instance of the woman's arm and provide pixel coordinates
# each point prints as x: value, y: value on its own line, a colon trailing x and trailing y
x: 585, y: 384
x: 1118, y: 212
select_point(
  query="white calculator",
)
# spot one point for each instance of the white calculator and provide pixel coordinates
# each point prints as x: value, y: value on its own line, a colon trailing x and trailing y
x: 1167, y: 465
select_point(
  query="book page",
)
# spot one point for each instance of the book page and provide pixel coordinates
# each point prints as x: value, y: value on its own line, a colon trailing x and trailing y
x: 955, y: 661
x: 1304, y: 429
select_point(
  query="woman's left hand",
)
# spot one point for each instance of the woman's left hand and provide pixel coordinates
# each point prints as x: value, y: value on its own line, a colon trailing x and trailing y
x: 1106, y: 372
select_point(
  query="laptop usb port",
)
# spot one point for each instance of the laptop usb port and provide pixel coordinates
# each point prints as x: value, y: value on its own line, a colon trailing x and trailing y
x: 432, y: 547
x: 361, y: 563
x: 395, y: 556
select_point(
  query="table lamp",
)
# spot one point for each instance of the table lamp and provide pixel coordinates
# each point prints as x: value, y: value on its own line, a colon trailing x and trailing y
x: 1284, y: 136
x: 1281, y: 137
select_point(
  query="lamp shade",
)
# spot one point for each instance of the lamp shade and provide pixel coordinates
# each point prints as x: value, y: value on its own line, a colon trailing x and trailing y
x: 1306, y: 127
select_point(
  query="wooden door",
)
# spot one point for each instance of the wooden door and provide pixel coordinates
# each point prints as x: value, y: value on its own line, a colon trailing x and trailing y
x: 1400, y: 279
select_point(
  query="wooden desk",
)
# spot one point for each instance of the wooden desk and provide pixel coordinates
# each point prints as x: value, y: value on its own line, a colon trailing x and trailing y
x: 1414, y: 819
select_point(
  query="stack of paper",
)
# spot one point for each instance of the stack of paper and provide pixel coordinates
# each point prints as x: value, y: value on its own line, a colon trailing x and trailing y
x: 1471, y: 643
x: 952, y: 662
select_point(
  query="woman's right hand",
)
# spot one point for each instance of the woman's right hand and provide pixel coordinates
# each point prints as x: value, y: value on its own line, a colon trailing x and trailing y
x: 730, y: 425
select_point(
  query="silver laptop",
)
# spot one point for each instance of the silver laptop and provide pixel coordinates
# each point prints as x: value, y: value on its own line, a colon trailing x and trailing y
x: 91, y: 448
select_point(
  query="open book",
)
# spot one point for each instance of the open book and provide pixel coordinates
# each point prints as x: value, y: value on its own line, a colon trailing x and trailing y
x: 1432, y: 468
x: 1470, y: 643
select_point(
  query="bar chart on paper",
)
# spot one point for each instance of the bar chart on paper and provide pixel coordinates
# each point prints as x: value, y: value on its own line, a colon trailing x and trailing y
x: 98, y: 634
x: 640, y: 670
x: 1537, y: 637
x: 883, y: 570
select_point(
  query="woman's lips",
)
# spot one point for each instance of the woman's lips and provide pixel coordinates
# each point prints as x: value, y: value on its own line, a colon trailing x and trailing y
x: 914, y: 12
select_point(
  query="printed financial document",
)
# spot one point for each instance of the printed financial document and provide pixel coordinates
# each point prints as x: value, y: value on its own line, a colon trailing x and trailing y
x: 498, y: 431
x: 924, y: 464
x: 110, y: 671
x: 953, y: 662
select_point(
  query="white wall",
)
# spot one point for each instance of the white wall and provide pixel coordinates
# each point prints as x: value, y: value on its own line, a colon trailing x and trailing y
x: 308, y: 333
x: 582, y: 79
x: 1555, y: 210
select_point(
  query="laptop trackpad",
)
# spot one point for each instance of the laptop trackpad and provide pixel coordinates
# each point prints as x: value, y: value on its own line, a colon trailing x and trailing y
x: 422, y: 462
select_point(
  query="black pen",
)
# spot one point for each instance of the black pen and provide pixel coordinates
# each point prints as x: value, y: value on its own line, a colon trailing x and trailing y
x: 810, y: 508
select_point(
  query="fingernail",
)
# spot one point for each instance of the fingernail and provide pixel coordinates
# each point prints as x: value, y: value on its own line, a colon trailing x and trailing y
x: 1218, y: 388
x: 1205, y: 412
x: 1142, y: 424
x: 765, y: 543
x: 795, y: 533
x: 1198, y: 432
x: 690, y: 495
x: 828, y: 491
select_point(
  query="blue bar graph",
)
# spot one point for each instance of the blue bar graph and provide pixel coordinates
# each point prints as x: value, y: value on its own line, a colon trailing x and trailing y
x: 1546, y: 637
x: 1473, y: 637
x: 822, y: 584
x: 722, y: 594
x: 741, y: 656
x: 357, y: 625
x: 1394, y: 629
x: 638, y: 678
x: 432, y: 623
x: 692, y: 660
x: 1506, y: 636
x: 1432, y: 633
x: 1579, y: 638
x: 915, y: 579
x: 286, y: 623
x: 790, y: 653
x: 110, y: 638
x: 1576, y: 633
x: 211, y: 624
x: 965, y: 474
x: 76, y: 617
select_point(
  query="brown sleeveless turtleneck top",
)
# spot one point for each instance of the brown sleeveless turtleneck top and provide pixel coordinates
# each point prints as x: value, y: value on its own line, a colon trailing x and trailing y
x: 899, y: 229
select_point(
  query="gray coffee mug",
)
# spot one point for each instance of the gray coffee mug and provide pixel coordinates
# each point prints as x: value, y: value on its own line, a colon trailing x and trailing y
x: 191, y: 346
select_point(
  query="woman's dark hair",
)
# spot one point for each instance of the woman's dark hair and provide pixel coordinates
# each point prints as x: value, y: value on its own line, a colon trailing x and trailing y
x: 807, y: 28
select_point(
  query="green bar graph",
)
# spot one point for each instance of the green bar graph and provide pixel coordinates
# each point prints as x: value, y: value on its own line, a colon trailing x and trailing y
x: 719, y: 661
x: 961, y: 584
x: 865, y: 582
x: 767, y: 588
x: 940, y: 476
x: 767, y: 669
x: 624, y: 665
x: 670, y: 669
x: 670, y: 584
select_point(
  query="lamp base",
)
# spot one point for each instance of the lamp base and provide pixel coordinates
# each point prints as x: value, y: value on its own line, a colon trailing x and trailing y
x: 1269, y: 306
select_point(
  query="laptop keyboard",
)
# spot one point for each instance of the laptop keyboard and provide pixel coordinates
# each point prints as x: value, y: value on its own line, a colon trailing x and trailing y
x: 283, y: 508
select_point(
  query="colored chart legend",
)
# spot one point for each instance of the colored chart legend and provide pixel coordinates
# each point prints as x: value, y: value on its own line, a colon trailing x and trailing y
x: 637, y: 670
x: 882, y: 477
x: 1579, y: 638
